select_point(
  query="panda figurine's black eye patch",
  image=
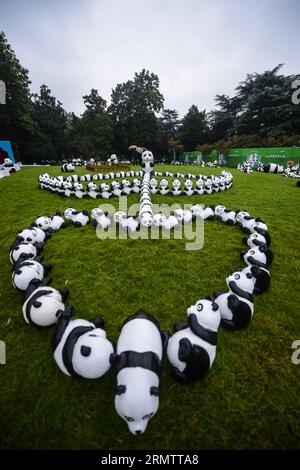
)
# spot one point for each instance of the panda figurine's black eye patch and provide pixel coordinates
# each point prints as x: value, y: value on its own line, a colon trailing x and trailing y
x: 85, y: 351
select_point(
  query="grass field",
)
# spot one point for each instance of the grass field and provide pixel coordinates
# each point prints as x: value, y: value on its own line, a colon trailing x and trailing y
x: 250, y: 399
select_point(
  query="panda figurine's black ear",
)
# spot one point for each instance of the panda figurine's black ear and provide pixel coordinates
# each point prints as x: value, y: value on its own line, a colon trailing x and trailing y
x: 154, y: 391
x: 120, y: 389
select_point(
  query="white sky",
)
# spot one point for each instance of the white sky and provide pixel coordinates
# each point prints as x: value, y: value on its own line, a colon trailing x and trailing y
x: 197, y: 48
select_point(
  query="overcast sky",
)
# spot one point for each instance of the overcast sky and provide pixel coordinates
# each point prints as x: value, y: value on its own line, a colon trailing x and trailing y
x: 198, y: 48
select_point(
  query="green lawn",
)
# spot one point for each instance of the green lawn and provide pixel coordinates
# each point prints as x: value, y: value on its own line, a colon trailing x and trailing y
x: 250, y: 398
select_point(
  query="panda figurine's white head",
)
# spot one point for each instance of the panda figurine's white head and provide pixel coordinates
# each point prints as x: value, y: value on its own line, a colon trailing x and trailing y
x: 241, y: 281
x: 69, y: 212
x: 159, y: 220
x: 258, y: 256
x: 137, y: 398
x: 147, y: 156
x: 91, y: 354
x: 43, y: 223
x: 207, y: 314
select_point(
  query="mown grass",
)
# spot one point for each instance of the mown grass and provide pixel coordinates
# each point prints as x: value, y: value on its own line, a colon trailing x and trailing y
x: 250, y: 398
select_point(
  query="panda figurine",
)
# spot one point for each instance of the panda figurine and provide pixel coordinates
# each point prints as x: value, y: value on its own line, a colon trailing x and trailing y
x: 170, y: 223
x: 236, y: 305
x: 77, y: 218
x: 176, y: 188
x: 197, y: 211
x: 92, y: 190
x: 105, y: 192
x: 80, y: 347
x: 43, y: 304
x: 116, y: 188
x: 159, y: 220
x: 28, y: 236
x: 188, y: 187
x: 67, y: 168
x: 261, y: 277
x: 25, y: 271
x: 163, y: 190
x: 219, y: 209
x: 153, y: 186
x: 79, y: 190
x: 258, y: 256
x: 101, y: 221
x: 184, y: 216
x: 44, y: 223
x: 257, y: 239
x: 208, y: 213
x: 147, y: 161
x: 136, y: 186
x: 192, y: 349
x: 68, y: 188
x: 199, y: 187
x: 228, y: 217
x: 57, y: 222
x: 208, y: 187
x: 138, y: 362
x: 25, y: 250
x: 126, y: 187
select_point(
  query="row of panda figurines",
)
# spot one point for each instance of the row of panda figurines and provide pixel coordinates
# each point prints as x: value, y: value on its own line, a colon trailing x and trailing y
x: 125, y: 187
x: 81, y: 348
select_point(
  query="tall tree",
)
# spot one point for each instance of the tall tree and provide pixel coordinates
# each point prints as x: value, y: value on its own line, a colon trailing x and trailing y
x: 51, y: 118
x: 194, y: 130
x: 16, y: 123
x: 267, y: 108
x: 91, y: 134
x: 133, y: 107
x: 94, y: 103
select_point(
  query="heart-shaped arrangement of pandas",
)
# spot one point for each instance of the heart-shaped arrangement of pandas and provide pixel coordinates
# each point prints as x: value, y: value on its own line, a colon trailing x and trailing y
x: 81, y: 348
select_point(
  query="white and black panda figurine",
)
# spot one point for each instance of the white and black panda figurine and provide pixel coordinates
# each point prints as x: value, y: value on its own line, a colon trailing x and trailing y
x: 164, y: 190
x: 272, y: 168
x: 184, y: 216
x: 80, y: 347
x: 192, y: 349
x: 153, y: 186
x: 208, y: 213
x: 77, y: 218
x: 176, y: 188
x: 67, y: 168
x: 57, y: 222
x: 208, y: 186
x: 92, y: 190
x: 258, y: 256
x: 262, y: 278
x: 43, y: 304
x: 126, y: 187
x: 170, y: 223
x: 257, y: 239
x: 116, y: 188
x: 147, y: 161
x: 42, y: 222
x: 138, y: 362
x: 199, y: 186
x: 236, y: 306
x: 188, y: 187
x: 25, y: 271
x: 25, y: 250
x: 101, y: 221
x: 228, y: 217
x: 105, y: 192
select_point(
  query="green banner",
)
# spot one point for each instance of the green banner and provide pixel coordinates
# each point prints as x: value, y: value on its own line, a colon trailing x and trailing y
x: 278, y: 155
